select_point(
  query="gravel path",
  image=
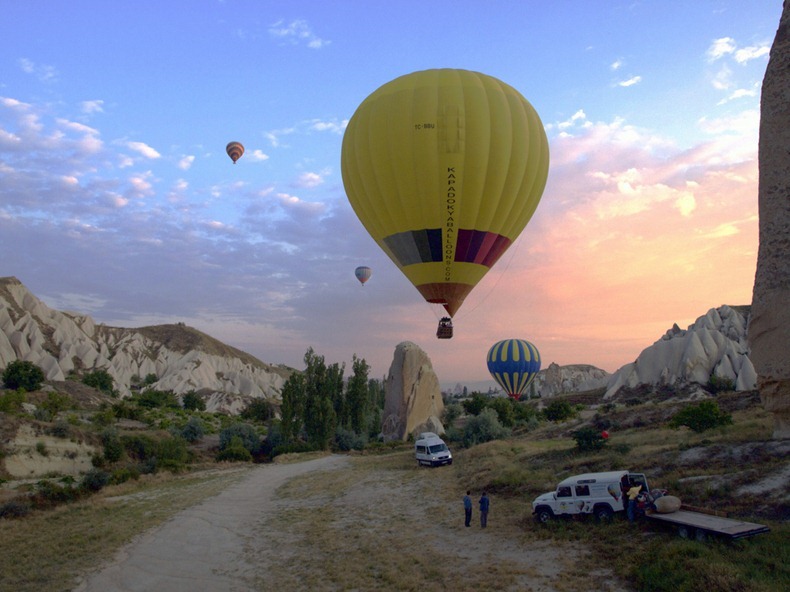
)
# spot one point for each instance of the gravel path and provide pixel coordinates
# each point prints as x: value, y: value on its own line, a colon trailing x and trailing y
x: 201, y: 548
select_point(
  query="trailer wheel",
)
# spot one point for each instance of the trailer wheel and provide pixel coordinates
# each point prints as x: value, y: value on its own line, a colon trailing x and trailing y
x: 603, y: 513
x: 544, y: 515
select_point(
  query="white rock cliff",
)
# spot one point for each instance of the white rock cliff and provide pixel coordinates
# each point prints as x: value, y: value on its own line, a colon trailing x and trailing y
x: 182, y: 358
x: 715, y: 345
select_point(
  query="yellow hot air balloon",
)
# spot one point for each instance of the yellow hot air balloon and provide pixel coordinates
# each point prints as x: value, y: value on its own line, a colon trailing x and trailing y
x: 234, y: 150
x: 444, y: 168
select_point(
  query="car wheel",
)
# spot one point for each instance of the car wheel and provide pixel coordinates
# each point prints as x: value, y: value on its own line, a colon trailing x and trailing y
x: 544, y: 515
x: 603, y: 514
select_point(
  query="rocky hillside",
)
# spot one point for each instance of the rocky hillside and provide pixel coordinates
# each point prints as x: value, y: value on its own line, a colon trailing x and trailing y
x: 713, y: 348
x: 182, y: 358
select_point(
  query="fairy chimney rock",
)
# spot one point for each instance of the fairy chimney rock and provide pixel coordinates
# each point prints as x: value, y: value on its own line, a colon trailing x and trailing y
x: 769, y: 325
x: 413, y: 398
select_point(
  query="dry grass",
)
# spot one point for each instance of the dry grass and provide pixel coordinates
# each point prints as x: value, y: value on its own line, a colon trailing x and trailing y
x: 48, y: 550
x: 383, y: 524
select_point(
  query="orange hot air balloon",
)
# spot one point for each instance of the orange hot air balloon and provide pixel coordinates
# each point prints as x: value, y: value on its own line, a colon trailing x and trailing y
x: 445, y: 168
x: 234, y: 150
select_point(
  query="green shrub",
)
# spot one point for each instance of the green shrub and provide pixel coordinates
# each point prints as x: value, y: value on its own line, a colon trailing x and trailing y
x: 20, y: 374
x: 703, y: 416
x: 193, y: 402
x: 484, y: 428
x: 258, y: 410
x: 588, y: 439
x: 558, y: 411
x: 139, y: 447
x: 234, y: 451
x: 718, y: 384
x: 113, y: 448
x: 193, y: 430
x: 452, y: 411
x: 346, y: 440
x: 95, y: 480
x: 475, y: 404
x: 123, y: 474
x: 11, y: 401
x: 61, y: 429
x: 41, y: 448
x: 152, y: 399
x: 49, y: 494
x: 504, y: 407
x: 99, y: 379
x: 249, y: 437
x: 171, y: 454
x: 57, y: 402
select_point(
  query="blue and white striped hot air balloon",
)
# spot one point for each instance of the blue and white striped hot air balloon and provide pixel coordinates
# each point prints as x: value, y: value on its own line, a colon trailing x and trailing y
x: 513, y: 363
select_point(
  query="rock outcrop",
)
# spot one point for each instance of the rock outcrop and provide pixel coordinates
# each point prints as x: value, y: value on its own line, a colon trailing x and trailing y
x: 572, y: 378
x: 714, y: 346
x: 769, y: 328
x: 182, y: 358
x: 413, y: 400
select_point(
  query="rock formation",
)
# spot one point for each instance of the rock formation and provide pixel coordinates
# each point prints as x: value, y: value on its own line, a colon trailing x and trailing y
x: 182, y: 358
x: 572, y: 378
x: 714, y: 346
x: 769, y: 328
x: 413, y: 400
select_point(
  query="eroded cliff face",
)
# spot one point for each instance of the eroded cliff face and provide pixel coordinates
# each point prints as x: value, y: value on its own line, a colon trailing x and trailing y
x: 714, y: 346
x: 182, y: 358
x: 413, y: 401
x: 769, y: 328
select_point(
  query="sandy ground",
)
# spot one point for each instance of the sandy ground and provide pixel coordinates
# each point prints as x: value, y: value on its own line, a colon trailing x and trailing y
x: 218, y: 545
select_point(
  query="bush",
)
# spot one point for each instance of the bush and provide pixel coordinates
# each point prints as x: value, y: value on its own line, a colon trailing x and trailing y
x: 505, y: 410
x: 475, y: 404
x: 249, y: 437
x: 14, y: 509
x: 704, y: 416
x: 234, y: 451
x: 152, y: 399
x: 258, y: 410
x: 484, y: 428
x: 172, y: 454
x: 346, y: 440
x: 20, y: 374
x: 588, y: 439
x: 113, y: 448
x: 558, y: 411
x: 99, y: 379
x: 61, y: 429
x: 718, y: 384
x: 193, y: 430
x: 452, y: 411
x: 95, y: 480
x: 139, y: 447
x: 192, y: 402
x: 11, y: 402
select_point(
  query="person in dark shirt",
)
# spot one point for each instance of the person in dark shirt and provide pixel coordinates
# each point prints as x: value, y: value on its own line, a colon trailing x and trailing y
x: 468, y: 509
x: 484, y: 504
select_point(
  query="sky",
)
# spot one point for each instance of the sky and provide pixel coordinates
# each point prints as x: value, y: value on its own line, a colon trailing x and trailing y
x: 117, y: 199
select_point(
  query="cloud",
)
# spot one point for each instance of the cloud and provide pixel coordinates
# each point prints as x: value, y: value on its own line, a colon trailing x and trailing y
x: 309, y: 180
x: 630, y: 82
x: 259, y: 155
x: 43, y: 72
x: 328, y: 126
x: 720, y: 48
x: 617, y: 64
x: 297, y: 32
x: 186, y: 162
x: 91, y: 107
x: 753, y: 52
x: 143, y: 149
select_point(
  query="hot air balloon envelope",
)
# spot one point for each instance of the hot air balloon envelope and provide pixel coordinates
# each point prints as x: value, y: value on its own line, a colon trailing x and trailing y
x: 444, y: 168
x: 604, y: 434
x: 234, y: 150
x: 363, y: 273
x: 513, y: 363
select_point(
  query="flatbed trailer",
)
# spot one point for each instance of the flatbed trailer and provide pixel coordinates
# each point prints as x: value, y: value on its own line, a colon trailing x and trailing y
x: 700, y: 525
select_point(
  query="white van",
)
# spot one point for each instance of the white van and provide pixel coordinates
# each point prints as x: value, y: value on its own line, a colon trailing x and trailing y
x: 600, y: 494
x: 430, y: 449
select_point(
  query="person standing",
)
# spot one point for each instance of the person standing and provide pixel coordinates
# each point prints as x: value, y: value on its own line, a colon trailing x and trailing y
x: 484, y: 504
x: 468, y: 509
x: 633, y: 494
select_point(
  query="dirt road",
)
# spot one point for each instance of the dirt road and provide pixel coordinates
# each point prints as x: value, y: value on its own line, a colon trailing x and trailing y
x: 339, y: 523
